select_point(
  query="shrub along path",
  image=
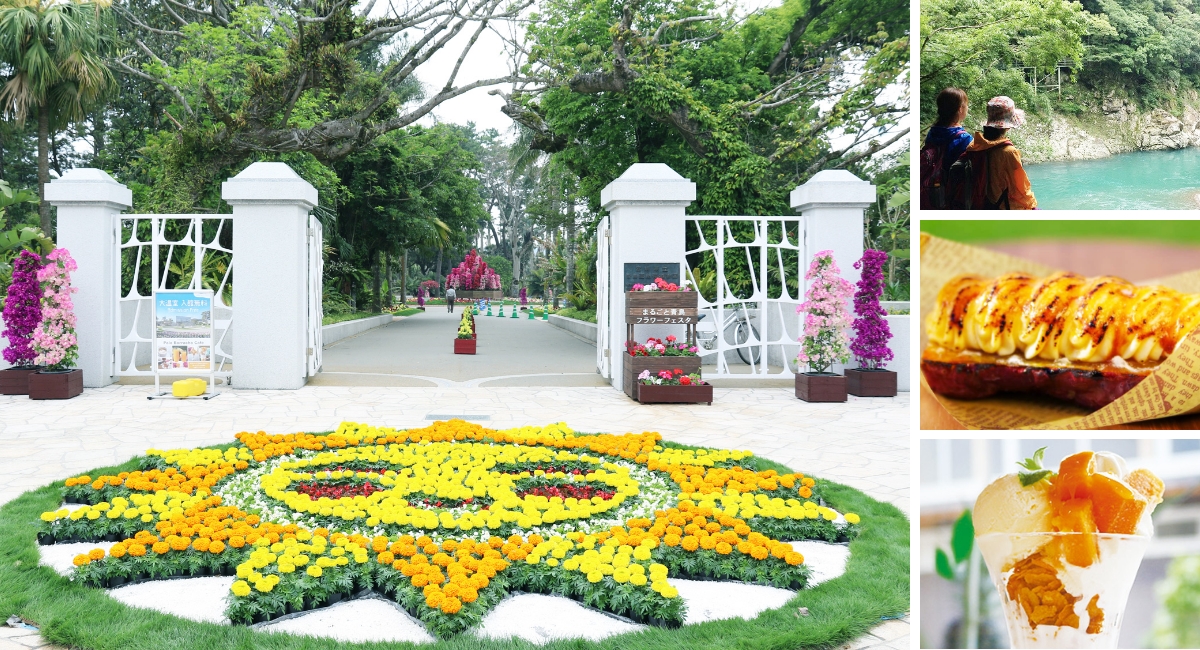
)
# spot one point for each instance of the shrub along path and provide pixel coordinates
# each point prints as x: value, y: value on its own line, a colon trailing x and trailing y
x: 418, y: 351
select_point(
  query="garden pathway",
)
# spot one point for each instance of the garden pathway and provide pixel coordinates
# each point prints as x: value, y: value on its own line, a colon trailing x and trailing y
x: 418, y: 351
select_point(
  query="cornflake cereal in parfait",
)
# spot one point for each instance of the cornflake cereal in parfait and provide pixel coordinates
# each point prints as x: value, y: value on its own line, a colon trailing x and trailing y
x: 1063, y: 548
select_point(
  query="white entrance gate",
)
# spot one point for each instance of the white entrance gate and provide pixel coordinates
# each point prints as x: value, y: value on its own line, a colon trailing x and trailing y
x: 603, y: 358
x: 316, y: 270
x: 751, y: 332
x: 171, y: 251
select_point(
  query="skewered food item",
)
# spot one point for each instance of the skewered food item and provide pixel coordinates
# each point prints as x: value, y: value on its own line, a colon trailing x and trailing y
x: 1086, y: 340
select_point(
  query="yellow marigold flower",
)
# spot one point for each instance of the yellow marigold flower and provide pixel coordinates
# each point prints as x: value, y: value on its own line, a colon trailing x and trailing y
x: 240, y: 588
x: 595, y: 576
x: 314, y: 571
x: 852, y: 518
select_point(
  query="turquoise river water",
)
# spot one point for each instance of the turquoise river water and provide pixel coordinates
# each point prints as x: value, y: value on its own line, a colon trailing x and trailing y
x: 1138, y: 180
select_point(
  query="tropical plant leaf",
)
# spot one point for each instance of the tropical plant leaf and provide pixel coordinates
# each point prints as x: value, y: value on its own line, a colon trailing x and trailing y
x: 963, y: 538
x: 942, y: 562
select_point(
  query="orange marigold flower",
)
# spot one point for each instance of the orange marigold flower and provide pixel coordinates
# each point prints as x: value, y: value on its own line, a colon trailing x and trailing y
x: 741, y: 529
x: 469, y: 595
x: 708, y: 543
x: 724, y: 548
x: 780, y: 550
x: 434, y: 599
x: 117, y: 550
x: 805, y: 492
x: 690, y: 543
x: 81, y: 560
x: 96, y: 554
x: 162, y: 548
x: 137, y: 550
x: 201, y: 543
x: 793, y: 558
x: 440, y: 559
x: 451, y: 606
x: 386, y: 558
x: 420, y: 580
x: 671, y: 539
x: 759, y: 552
x: 237, y: 541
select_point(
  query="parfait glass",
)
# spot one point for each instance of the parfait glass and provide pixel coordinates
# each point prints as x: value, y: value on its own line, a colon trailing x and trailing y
x: 1063, y: 590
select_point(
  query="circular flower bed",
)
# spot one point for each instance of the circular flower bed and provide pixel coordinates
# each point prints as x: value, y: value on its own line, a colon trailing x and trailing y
x: 447, y: 520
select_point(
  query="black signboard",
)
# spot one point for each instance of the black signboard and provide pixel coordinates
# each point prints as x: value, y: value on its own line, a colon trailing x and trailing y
x: 645, y: 273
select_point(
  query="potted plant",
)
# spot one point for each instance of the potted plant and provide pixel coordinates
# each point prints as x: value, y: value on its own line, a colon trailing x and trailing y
x: 825, y: 341
x: 54, y: 339
x: 473, y: 279
x: 465, y: 342
x: 871, y: 333
x: 673, y: 387
x: 656, y: 355
x: 22, y: 314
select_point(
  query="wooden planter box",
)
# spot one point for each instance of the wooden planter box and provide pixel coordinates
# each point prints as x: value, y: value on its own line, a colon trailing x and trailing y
x: 55, y: 385
x: 635, y: 365
x: 476, y: 294
x: 870, y: 383
x: 650, y: 394
x: 15, y: 381
x: 812, y: 387
x: 464, y: 346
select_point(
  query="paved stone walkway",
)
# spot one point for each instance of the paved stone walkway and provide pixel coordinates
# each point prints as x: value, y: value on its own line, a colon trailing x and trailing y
x: 419, y: 351
x: 863, y: 442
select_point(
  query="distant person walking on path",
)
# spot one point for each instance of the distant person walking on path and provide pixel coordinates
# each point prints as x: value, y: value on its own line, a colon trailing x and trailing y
x: 945, y: 143
x: 998, y: 181
x: 450, y: 299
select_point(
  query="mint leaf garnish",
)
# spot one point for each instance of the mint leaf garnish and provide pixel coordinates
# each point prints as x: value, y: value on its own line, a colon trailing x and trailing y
x: 1034, y: 470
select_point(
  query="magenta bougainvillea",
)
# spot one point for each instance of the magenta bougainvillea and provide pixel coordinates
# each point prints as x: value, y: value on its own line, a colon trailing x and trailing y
x: 825, y: 318
x: 473, y: 274
x: 420, y: 296
x: 871, y: 332
x: 54, y: 339
x: 524, y: 297
x: 22, y: 309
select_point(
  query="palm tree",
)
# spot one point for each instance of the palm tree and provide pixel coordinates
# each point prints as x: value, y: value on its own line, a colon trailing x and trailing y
x: 53, y: 50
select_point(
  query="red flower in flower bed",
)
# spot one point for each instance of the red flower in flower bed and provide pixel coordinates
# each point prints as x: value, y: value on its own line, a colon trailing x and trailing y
x: 318, y: 490
x: 567, y: 491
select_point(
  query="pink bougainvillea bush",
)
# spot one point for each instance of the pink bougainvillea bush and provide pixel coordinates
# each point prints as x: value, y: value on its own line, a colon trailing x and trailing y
x: 473, y: 274
x: 825, y: 318
x: 871, y: 332
x: 54, y: 339
x: 22, y: 309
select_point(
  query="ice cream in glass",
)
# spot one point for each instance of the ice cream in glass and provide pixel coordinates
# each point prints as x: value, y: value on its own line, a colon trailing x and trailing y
x: 1064, y: 547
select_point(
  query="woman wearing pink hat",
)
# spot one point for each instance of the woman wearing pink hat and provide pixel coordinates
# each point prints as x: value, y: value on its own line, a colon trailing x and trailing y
x: 1000, y: 182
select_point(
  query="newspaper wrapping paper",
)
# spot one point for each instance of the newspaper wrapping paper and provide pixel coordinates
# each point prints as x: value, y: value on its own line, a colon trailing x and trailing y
x: 1172, y: 389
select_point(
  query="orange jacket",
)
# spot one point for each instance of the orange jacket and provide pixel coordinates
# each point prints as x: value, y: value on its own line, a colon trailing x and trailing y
x: 1006, y: 173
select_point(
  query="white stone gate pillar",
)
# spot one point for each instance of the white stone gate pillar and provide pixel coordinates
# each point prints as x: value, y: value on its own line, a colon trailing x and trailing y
x: 646, y: 218
x: 833, y: 202
x: 270, y: 208
x: 89, y: 203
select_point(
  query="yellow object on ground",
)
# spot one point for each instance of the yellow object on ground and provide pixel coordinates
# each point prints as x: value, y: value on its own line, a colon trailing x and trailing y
x: 189, y: 387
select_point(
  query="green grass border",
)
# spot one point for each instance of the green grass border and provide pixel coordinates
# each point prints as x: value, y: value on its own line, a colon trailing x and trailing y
x: 975, y: 231
x: 875, y: 586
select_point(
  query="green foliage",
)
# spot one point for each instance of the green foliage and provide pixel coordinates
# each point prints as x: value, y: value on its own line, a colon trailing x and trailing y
x: 1175, y: 621
x: 503, y: 266
x: 981, y: 46
x: 951, y: 566
x: 666, y: 84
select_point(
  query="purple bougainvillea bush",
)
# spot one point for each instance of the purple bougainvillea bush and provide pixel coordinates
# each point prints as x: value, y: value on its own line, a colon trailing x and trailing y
x: 22, y: 309
x: 54, y: 339
x: 871, y: 332
x: 825, y: 318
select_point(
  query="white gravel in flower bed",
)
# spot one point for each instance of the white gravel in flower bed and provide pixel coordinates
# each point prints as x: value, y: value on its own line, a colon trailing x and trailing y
x: 533, y: 617
x: 355, y: 621
x: 538, y: 619
x: 198, y: 599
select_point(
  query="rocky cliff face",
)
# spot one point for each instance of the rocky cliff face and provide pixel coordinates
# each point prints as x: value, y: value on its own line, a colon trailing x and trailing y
x: 1120, y: 126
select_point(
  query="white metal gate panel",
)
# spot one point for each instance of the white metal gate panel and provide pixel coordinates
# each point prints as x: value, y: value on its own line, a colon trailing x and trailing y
x: 316, y: 267
x: 755, y: 334
x: 195, y: 260
x: 603, y: 327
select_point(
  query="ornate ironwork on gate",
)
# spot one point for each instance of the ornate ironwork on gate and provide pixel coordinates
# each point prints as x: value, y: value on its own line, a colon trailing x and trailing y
x: 172, y: 251
x: 749, y: 273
